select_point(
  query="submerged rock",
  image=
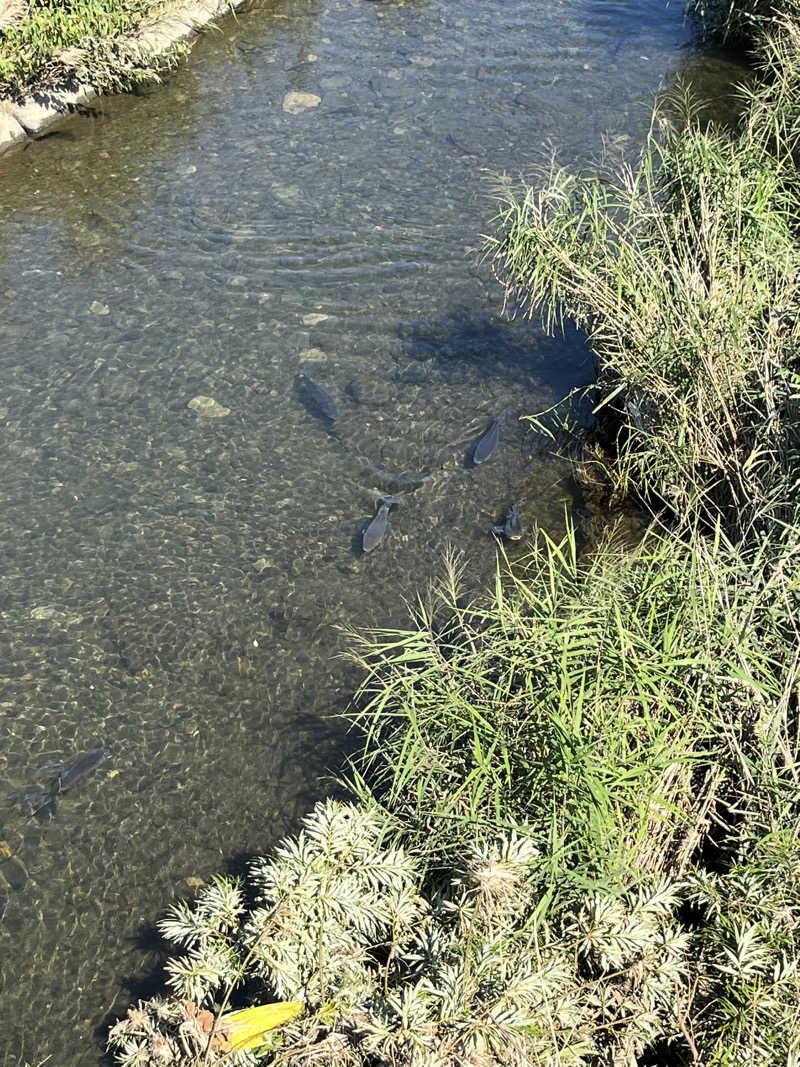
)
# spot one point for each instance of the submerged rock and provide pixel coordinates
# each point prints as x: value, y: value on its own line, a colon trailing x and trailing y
x: 208, y: 407
x: 294, y: 103
x: 45, y: 613
x: 314, y: 355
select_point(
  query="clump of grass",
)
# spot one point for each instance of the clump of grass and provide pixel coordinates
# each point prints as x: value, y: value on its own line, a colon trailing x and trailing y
x: 772, y: 118
x: 606, y: 704
x: 732, y: 21
x: 684, y: 269
x: 90, y: 41
x: 745, y: 971
x: 11, y: 12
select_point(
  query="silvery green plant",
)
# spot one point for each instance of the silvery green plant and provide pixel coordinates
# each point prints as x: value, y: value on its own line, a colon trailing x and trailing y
x: 396, y: 970
x: 748, y: 978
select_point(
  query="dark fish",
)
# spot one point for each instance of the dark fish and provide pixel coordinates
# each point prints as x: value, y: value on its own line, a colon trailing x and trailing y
x: 375, y: 531
x: 70, y: 776
x: 404, y: 481
x: 513, y: 528
x: 487, y: 444
x: 320, y: 398
x: 79, y: 770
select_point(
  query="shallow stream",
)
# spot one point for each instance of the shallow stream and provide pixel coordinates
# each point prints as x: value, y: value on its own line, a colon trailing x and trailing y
x: 173, y: 585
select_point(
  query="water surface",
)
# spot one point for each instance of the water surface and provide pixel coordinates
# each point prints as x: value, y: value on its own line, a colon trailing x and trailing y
x: 173, y: 586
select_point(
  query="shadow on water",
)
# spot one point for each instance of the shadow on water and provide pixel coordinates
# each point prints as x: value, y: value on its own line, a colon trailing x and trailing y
x: 461, y: 346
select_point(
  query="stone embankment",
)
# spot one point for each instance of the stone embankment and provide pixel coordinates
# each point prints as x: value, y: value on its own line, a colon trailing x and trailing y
x: 26, y: 119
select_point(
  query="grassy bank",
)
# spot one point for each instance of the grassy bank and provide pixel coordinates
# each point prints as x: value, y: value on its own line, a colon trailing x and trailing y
x: 575, y: 829
x: 45, y: 42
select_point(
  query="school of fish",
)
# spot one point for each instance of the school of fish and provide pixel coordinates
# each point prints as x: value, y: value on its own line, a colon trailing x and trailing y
x: 320, y: 402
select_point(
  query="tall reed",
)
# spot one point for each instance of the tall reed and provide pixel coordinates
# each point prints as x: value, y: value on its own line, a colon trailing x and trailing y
x: 684, y: 269
x: 601, y: 706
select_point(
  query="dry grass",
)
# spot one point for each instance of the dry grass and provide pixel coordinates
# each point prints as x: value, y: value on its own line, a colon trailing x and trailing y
x: 12, y: 12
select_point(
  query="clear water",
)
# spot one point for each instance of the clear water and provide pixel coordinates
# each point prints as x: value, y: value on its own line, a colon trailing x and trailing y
x: 173, y: 586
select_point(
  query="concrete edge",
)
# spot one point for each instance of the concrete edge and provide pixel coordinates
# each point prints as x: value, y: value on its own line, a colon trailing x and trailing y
x: 23, y: 121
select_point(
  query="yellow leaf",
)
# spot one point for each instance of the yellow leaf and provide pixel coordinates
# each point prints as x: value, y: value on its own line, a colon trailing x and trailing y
x: 245, y: 1029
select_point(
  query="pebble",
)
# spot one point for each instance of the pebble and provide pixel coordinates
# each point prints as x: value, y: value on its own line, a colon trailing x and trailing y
x: 314, y: 355
x: 287, y: 193
x: 121, y: 387
x: 208, y: 407
x: 44, y: 614
x: 294, y: 103
x: 97, y: 308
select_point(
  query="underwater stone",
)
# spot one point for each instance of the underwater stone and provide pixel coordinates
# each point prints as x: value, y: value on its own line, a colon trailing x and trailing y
x: 314, y: 355
x: 120, y: 387
x: 287, y: 194
x: 45, y: 614
x: 208, y: 407
x: 294, y: 103
x: 36, y: 113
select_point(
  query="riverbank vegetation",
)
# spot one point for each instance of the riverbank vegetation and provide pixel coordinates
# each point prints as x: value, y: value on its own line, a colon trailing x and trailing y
x: 46, y: 42
x: 574, y: 833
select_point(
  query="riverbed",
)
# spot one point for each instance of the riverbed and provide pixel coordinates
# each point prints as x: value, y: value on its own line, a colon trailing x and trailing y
x: 175, y: 583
